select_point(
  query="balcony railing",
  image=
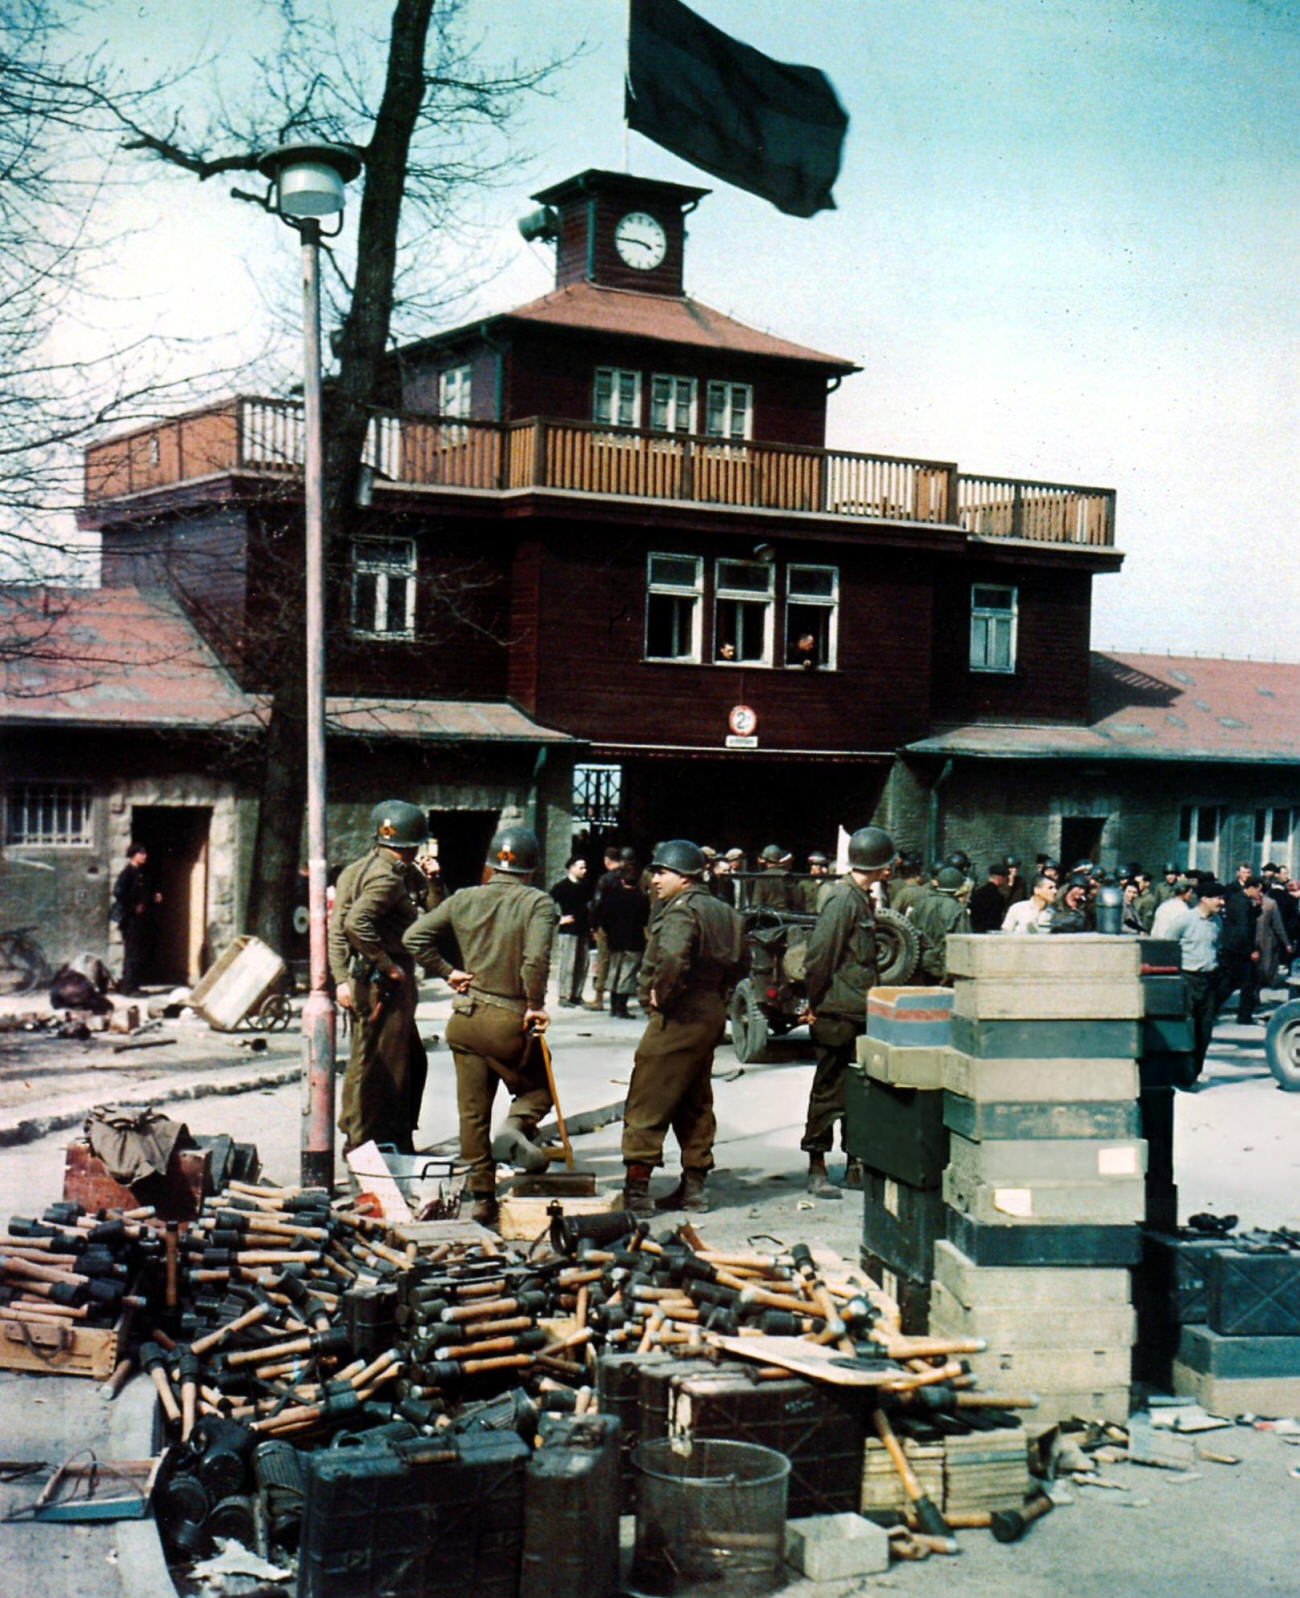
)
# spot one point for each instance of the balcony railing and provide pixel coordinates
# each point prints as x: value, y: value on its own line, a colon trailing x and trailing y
x: 265, y: 436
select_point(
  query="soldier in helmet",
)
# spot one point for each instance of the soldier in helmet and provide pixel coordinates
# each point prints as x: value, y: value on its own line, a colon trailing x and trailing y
x: 941, y: 912
x: 376, y: 899
x: 840, y: 967
x: 503, y: 930
x: 775, y: 888
x: 819, y: 866
x: 694, y: 951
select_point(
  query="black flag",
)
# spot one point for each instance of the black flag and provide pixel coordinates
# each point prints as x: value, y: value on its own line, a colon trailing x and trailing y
x: 773, y: 129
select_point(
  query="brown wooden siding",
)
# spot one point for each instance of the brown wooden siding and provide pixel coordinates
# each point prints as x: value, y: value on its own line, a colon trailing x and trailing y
x: 606, y: 266
x: 525, y: 625
x: 420, y: 381
x: 1050, y: 682
x: 202, y: 559
x: 592, y: 679
x: 551, y: 373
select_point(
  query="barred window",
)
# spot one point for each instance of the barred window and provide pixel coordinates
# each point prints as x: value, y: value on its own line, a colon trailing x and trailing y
x: 48, y: 815
x: 597, y: 796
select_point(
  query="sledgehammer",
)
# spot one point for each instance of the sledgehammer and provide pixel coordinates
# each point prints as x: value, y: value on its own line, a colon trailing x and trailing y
x: 1010, y: 1525
x: 928, y: 1516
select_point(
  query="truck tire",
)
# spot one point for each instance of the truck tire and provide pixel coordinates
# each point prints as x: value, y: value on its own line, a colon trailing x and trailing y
x: 898, y: 948
x: 749, y: 1029
x: 1282, y: 1046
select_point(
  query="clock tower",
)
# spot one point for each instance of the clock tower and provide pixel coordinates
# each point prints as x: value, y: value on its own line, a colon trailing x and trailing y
x: 616, y: 231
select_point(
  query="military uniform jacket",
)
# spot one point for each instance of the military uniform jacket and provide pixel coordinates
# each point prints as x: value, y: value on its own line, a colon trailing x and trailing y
x: 775, y: 890
x: 696, y: 947
x: 936, y: 917
x: 376, y: 899
x: 504, y: 930
x: 840, y: 962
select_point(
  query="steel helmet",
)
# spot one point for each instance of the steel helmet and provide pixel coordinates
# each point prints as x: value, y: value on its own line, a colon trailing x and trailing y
x: 772, y: 854
x: 514, y: 850
x: 399, y: 825
x: 959, y: 860
x: 679, y: 855
x: 950, y: 880
x: 870, y: 849
x: 817, y: 858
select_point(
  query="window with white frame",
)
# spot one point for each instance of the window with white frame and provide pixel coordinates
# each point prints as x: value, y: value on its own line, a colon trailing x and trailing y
x: 454, y: 390
x: 616, y: 397
x: 992, y: 628
x: 672, y: 404
x: 743, y: 605
x: 1275, y: 828
x: 812, y: 602
x: 728, y: 410
x: 48, y: 815
x: 383, y: 587
x: 1199, y: 830
x: 674, y: 607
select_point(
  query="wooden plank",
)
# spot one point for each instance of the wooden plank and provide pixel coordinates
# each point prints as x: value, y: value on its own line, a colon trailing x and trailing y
x: 816, y: 1361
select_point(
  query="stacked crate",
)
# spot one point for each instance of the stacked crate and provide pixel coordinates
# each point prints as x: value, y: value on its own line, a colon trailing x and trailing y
x: 894, y: 1124
x: 1046, y: 1175
x: 1247, y: 1354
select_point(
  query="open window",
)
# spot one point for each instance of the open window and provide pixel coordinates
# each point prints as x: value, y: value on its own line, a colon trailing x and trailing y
x: 812, y: 603
x: 674, y: 607
x: 743, y: 604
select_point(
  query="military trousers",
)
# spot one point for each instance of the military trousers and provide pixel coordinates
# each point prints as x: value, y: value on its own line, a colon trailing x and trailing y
x: 489, y: 1045
x: 600, y: 965
x: 835, y: 1038
x: 672, y: 1087
x: 387, y: 1066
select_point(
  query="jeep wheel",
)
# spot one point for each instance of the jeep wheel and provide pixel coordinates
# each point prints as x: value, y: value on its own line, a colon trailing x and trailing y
x: 1282, y: 1046
x: 749, y: 1030
x: 898, y: 948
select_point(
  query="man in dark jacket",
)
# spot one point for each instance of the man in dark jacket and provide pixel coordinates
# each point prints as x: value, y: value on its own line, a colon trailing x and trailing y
x: 988, y: 903
x: 620, y: 912
x: 572, y: 894
x: 1238, y: 951
x: 600, y: 973
x: 839, y: 969
x: 135, y: 915
x: 694, y: 950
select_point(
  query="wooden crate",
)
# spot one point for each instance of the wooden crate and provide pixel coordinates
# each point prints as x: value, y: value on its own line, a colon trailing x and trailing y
x: 520, y: 1220
x: 66, y: 1350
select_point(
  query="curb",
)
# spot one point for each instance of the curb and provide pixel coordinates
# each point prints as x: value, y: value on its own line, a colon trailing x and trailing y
x: 141, y: 1566
x: 158, y: 1090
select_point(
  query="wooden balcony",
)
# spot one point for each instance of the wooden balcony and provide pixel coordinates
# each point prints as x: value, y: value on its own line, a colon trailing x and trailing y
x: 264, y: 436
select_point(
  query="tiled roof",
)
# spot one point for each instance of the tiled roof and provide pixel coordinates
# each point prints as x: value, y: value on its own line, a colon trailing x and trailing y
x: 656, y: 316
x: 1158, y: 707
x: 116, y: 657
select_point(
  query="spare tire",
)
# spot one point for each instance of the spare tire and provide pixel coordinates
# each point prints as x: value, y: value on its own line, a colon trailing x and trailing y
x: 749, y: 1029
x: 898, y: 948
x: 1282, y: 1046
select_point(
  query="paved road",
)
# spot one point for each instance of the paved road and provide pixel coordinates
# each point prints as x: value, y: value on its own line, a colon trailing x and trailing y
x: 1238, y: 1148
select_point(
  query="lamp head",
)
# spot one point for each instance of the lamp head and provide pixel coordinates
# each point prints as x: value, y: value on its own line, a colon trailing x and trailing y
x: 309, y: 179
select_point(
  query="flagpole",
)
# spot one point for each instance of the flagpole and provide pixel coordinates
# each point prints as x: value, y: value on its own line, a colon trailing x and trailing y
x: 627, y: 82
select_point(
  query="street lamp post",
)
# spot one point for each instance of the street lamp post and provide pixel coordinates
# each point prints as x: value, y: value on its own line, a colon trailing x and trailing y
x: 307, y: 185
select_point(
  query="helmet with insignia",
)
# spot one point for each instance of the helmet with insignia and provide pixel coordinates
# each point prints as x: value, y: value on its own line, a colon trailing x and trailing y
x: 399, y: 825
x: 514, y: 850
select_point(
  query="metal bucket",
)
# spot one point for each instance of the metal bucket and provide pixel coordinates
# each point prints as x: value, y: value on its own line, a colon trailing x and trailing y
x: 710, y: 1518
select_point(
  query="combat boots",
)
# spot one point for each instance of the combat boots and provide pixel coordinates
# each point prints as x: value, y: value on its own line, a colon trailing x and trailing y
x: 853, y: 1172
x: 618, y: 1006
x: 514, y: 1145
x: 636, y: 1190
x: 687, y: 1195
x: 484, y: 1209
x: 819, y: 1183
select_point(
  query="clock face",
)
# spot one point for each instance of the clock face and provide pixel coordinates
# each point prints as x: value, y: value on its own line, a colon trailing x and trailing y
x: 640, y: 241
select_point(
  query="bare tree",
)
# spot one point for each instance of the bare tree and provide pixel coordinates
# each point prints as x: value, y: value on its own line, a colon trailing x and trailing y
x: 431, y: 128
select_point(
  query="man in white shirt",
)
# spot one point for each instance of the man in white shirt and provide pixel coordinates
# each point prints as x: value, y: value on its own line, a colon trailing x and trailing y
x: 1033, y: 914
x: 1173, y: 914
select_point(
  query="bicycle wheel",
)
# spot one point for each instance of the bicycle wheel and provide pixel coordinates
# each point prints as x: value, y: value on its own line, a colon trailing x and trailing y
x: 22, y: 963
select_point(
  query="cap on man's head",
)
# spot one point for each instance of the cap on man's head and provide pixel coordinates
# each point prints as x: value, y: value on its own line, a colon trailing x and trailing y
x: 1210, y: 888
x: 734, y: 854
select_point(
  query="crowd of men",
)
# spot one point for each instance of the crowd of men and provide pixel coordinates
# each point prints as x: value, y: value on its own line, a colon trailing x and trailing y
x: 672, y: 937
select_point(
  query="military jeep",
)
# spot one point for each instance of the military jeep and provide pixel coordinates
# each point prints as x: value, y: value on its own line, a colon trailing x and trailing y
x: 770, y: 1000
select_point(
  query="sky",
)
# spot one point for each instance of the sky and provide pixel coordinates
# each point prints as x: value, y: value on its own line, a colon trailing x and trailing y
x: 1064, y: 250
